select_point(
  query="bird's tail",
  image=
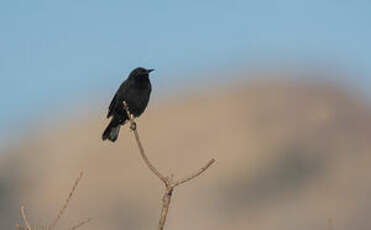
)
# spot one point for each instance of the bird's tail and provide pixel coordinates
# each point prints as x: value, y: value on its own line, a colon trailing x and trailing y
x: 112, y: 131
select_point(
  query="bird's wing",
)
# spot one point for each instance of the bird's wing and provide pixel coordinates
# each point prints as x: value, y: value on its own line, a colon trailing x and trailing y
x: 112, y: 106
x: 117, y: 99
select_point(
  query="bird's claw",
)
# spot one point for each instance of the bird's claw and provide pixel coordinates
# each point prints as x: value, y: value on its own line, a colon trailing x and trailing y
x: 133, y: 126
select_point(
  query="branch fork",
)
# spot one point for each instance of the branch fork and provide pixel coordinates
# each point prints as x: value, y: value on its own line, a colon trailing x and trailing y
x: 169, y: 182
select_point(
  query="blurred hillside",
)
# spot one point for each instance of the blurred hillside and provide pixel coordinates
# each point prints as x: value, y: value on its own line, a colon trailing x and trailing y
x: 289, y: 156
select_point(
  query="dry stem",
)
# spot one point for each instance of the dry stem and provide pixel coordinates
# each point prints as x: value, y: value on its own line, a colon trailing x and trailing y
x: 26, y: 222
x: 59, y: 215
x: 133, y: 127
x: 80, y: 224
x: 61, y: 211
x: 169, y: 182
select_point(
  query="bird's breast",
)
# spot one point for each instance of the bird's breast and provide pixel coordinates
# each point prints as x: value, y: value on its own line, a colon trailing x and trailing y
x: 137, y: 99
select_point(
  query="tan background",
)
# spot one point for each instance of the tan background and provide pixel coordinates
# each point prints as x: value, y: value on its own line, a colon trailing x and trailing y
x: 290, y: 154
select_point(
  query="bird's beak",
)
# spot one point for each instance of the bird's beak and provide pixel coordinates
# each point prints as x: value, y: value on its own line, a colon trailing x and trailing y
x: 149, y: 70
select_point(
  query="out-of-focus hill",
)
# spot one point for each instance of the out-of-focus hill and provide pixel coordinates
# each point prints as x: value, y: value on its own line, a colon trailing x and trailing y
x: 289, y: 156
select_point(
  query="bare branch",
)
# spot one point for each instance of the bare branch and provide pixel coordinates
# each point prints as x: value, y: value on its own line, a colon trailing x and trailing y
x: 61, y: 211
x: 59, y: 215
x: 194, y: 175
x: 141, y: 149
x: 27, y: 224
x: 80, y: 224
x: 168, y: 181
x: 170, y: 185
x: 166, y: 199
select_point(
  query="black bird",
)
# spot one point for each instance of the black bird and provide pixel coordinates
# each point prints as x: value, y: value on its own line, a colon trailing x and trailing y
x: 135, y: 90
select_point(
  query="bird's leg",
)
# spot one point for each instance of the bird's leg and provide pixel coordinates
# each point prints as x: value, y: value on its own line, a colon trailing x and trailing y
x: 133, y: 125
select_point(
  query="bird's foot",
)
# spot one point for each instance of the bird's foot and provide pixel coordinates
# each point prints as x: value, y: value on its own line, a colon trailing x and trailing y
x: 133, y: 126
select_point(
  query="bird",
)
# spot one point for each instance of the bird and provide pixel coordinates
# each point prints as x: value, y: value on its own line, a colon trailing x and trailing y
x: 135, y: 91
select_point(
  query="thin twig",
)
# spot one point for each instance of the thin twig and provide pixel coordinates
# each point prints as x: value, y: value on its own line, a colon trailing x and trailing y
x: 196, y: 174
x: 141, y: 149
x: 59, y: 215
x: 169, y: 183
x: 61, y: 211
x: 80, y: 224
x: 27, y: 224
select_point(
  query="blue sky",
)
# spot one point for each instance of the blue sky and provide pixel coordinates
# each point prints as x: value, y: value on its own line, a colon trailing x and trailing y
x: 56, y: 53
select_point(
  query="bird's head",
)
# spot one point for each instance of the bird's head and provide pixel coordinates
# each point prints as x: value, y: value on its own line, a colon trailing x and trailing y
x: 140, y: 72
